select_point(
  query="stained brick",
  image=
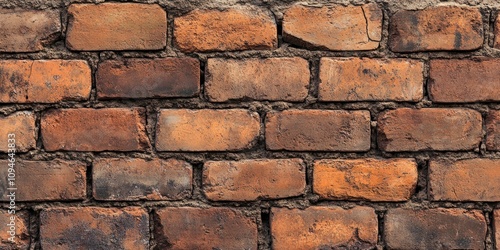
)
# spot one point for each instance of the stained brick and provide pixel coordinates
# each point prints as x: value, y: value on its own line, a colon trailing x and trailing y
x: 497, y: 34
x: 493, y: 130
x: 496, y: 227
x: 21, y: 232
x: 22, y: 125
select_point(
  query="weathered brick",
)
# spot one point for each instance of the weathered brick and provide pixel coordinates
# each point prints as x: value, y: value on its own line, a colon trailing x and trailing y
x: 274, y: 79
x: 497, y: 37
x: 237, y: 28
x: 206, y: 228
x: 496, y: 227
x: 324, y: 228
x: 148, y: 78
x: 438, y: 129
x: 465, y: 180
x: 21, y: 232
x: 434, y: 229
x: 85, y: 129
x: 493, y: 130
x: 94, y: 228
x: 206, y: 129
x: 116, y: 26
x: 334, y: 27
x: 318, y: 130
x: 365, y: 179
x: 436, y: 28
x: 46, y: 180
x: 365, y: 79
x: 248, y: 180
x: 44, y: 81
x: 464, y: 80
x: 138, y: 179
x: 28, y: 30
x: 22, y: 125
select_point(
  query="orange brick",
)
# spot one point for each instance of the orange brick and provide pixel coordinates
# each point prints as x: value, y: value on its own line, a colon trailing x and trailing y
x: 365, y: 179
x: 21, y: 232
x: 22, y: 125
x: 496, y: 227
x: 493, y: 130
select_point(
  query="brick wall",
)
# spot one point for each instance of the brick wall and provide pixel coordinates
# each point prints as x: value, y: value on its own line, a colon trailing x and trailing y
x: 265, y: 124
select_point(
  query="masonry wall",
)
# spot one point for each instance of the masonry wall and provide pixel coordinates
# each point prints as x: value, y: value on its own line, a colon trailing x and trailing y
x: 250, y: 124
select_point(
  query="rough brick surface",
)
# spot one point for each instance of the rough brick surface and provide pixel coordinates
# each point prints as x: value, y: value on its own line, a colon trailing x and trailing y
x: 436, y: 28
x: 205, y: 228
x: 22, y: 125
x: 429, y: 129
x: 434, y: 229
x: 365, y: 179
x: 364, y: 79
x: 116, y: 26
x: 94, y: 228
x: 253, y: 179
x: 497, y: 34
x: 238, y: 28
x: 44, y: 81
x: 275, y: 79
x: 496, y: 226
x: 146, y: 78
x: 138, y: 179
x: 322, y: 130
x: 324, y: 228
x: 493, y: 130
x: 206, y: 129
x: 21, y: 235
x: 85, y: 129
x: 334, y: 27
x: 28, y: 30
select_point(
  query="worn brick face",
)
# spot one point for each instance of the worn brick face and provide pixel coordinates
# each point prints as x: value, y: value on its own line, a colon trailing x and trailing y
x: 21, y: 232
x: 496, y: 44
x: 22, y: 125
x: 493, y: 130
x: 496, y: 227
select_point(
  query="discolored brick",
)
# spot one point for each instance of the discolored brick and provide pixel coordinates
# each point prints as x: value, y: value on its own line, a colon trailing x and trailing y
x: 21, y: 232
x: 493, y: 130
x: 496, y: 227
x: 496, y: 43
x: 22, y: 126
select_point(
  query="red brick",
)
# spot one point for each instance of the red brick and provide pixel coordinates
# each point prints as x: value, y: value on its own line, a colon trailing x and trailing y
x: 318, y: 130
x: 365, y: 79
x: 148, y: 78
x: 334, y: 27
x: 497, y: 38
x: 85, y: 129
x: 436, y: 28
x: 237, y: 28
x: 44, y: 81
x: 496, y: 227
x: 22, y: 125
x: 493, y: 130
x: 463, y: 80
x: 465, y: 180
x: 205, y: 228
x: 206, y: 129
x: 365, y: 179
x: 324, y: 228
x: 94, y: 228
x: 434, y: 229
x: 21, y: 235
x: 137, y: 179
x: 248, y: 180
x: 28, y: 30
x: 438, y: 129
x: 274, y: 79
x: 116, y: 26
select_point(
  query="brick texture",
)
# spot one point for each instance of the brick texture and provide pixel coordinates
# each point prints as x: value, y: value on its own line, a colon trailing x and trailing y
x: 496, y: 226
x: 496, y: 44
x: 493, y: 130
x: 22, y: 125
x: 21, y: 231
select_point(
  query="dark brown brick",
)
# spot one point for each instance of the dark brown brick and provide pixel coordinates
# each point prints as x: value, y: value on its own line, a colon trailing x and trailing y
x: 21, y: 232
x: 22, y: 125
x: 493, y: 130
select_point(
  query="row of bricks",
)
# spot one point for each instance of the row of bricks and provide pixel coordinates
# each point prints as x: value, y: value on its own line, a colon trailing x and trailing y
x: 319, y: 227
x: 272, y: 79
x: 133, y: 26
x: 131, y: 179
x: 191, y: 130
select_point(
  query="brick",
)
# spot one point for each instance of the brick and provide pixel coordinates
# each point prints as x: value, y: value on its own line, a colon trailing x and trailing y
x: 464, y: 80
x: 205, y: 228
x: 22, y: 125
x: 493, y: 130
x: 440, y: 129
x: 232, y: 29
x: 464, y: 180
x: 272, y: 79
x: 28, y: 30
x: 434, y: 229
x: 148, y: 78
x: 365, y: 79
x: 248, y: 180
x: 496, y: 43
x: 116, y: 26
x: 334, y: 27
x: 496, y: 227
x: 62, y: 180
x: 137, y: 179
x: 44, y: 81
x: 206, y: 129
x: 436, y: 28
x: 324, y: 228
x: 85, y: 129
x: 318, y: 130
x: 94, y: 228
x: 365, y: 179
x: 21, y: 232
